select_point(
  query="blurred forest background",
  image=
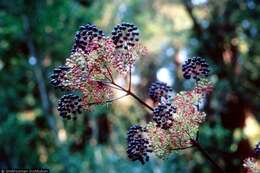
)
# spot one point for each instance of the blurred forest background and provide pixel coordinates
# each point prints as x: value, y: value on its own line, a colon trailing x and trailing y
x: 36, y: 36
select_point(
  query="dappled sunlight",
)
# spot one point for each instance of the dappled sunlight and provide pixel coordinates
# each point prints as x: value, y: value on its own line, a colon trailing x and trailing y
x: 252, y: 128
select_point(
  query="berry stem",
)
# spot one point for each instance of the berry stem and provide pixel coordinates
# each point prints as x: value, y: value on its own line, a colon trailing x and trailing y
x: 183, y: 148
x: 130, y: 79
x: 129, y: 92
x: 109, y: 101
x: 140, y: 100
x: 206, y: 155
x: 110, y: 74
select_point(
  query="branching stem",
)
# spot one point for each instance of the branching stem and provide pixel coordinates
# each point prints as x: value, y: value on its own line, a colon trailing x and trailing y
x: 194, y: 143
x: 109, y: 101
x: 206, y: 155
x: 129, y: 92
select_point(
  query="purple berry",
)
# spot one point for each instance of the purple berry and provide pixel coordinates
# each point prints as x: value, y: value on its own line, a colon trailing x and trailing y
x: 85, y: 35
x: 138, y: 146
x: 257, y: 149
x: 58, y: 76
x: 163, y: 115
x: 158, y: 90
x: 195, y: 68
x: 69, y: 105
x: 125, y: 35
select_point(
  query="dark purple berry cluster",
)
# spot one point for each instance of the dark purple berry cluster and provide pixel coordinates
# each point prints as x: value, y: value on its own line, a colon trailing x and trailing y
x: 195, y: 68
x: 125, y: 35
x: 257, y: 149
x: 69, y: 106
x: 163, y: 115
x: 158, y: 90
x: 85, y: 35
x: 138, y: 146
x: 58, y: 77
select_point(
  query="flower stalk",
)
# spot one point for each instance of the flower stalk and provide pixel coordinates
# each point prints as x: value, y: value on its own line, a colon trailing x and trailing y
x: 206, y: 155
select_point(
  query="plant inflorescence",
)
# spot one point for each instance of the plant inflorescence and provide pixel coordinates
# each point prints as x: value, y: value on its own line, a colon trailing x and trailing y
x: 88, y: 75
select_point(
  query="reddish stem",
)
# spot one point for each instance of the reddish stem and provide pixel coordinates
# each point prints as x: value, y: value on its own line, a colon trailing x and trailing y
x: 128, y: 91
x: 133, y: 95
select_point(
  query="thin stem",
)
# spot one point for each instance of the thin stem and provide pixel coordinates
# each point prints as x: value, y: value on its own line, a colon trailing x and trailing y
x: 110, y: 74
x: 108, y: 83
x: 207, y: 156
x: 128, y: 92
x: 140, y: 100
x: 108, y: 101
x: 114, y: 87
x: 130, y: 79
x: 183, y: 148
x: 134, y: 96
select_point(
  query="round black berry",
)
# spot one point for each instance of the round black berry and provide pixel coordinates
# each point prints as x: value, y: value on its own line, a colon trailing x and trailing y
x: 58, y: 76
x: 138, y: 146
x: 195, y: 68
x: 125, y: 35
x: 85, y: 35
x: 163, y: 115
x: 257, y: 149
x: 69, y: 106
x: 158, y: 90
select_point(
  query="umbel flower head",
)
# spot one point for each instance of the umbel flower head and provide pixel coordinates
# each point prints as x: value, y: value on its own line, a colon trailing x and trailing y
x: 94, y: 59
x: 176, y: 124
x: 176, y: 121
x: 125, y: 37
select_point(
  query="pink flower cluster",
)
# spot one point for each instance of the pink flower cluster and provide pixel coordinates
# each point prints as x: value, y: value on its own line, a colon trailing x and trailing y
x: 184, y: 122
x: 95, y: 59
x: 252, y: 165
x: 176, y: 118
x: 90, y: 69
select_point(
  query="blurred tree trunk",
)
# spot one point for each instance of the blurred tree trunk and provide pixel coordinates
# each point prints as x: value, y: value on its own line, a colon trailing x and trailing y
x: 104, y: 129
x: 35, y: 61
